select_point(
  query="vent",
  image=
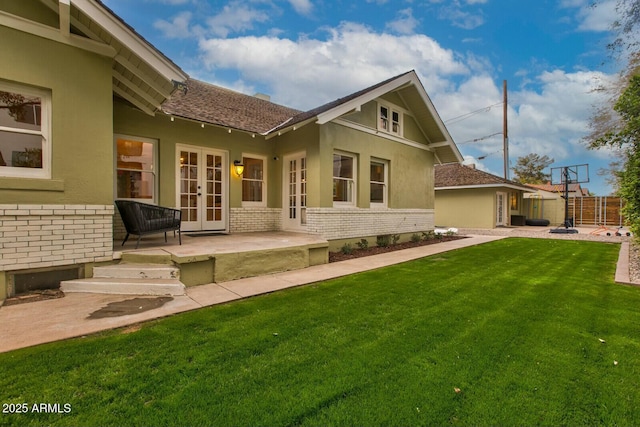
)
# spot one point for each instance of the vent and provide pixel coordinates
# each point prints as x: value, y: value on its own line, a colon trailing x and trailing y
x: 262, y: 96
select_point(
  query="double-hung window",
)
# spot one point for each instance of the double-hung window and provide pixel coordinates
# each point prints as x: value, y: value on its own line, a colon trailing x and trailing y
x: 25, y: 134
x: 344, y: 179
x: 379, y: 187
x: 254, y: 181
x: 389, y: 120
x: 135, y: 168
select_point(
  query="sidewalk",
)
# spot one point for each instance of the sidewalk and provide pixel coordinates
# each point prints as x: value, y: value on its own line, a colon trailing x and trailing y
x: 40, y: 322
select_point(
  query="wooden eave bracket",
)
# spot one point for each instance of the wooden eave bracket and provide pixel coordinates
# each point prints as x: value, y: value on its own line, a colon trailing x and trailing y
x: 21, y: 24
x: 64, y: 12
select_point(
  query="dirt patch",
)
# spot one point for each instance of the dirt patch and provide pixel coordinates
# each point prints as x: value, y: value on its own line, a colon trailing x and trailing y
x: 358, y: 253
x: 33, y: 296
x: 130, y: 306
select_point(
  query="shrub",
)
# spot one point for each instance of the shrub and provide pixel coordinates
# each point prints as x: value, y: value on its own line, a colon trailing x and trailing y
x: 428, y: 235
x: 363, y: 244
x: 346, y: 249
x: 395, y: 238
x: 415, y: 238
x: 383, y: 241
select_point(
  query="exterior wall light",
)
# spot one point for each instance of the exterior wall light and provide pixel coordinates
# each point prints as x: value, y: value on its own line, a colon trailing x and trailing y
x: 238, y: 167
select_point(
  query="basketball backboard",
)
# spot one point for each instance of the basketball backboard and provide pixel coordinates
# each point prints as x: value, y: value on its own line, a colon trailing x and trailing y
x: 570, y: 174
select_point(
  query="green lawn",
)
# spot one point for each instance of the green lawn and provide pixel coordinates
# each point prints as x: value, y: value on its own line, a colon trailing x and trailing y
x: 516, y: 325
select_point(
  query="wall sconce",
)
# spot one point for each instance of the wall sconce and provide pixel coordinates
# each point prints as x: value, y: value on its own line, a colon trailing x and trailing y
x: 238, y: 167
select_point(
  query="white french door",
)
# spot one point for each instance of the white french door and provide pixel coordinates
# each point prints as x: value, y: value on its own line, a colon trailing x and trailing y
x: 501, y: 209
x: 201, y: 187
x: 294, y: 201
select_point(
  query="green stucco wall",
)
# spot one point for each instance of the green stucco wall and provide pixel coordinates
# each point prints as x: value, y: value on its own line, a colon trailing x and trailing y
x: 132, y: 122
x: 81, y: 121
x: 410, y: 168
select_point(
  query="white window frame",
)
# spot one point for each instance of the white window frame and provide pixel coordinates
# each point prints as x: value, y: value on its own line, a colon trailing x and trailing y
x: 263, y: 203
x: 154, y: 168
x: 44, y: 132
x: 391, y: 109
x: 354, y: 180
x: 385, y: 183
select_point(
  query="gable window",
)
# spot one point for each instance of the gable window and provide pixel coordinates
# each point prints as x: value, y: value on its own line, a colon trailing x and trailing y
x: 378, y: 185
x: 344, y: 183
x: 389, y: 120
x: 25, y: 136
x: 135, y: 168
x: 253, y: 181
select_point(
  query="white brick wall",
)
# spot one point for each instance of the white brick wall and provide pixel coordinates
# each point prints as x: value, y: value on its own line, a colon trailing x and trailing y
x: 37, y: 236
x: 255, y: 219
x: 346, y: 223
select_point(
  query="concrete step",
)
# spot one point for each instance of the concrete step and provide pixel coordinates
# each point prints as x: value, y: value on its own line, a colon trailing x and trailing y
x: 149, y: 256
x: 125, y: 286
x: 137, y: 271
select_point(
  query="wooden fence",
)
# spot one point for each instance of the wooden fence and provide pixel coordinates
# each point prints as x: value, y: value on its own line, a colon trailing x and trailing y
x: 596, y: 210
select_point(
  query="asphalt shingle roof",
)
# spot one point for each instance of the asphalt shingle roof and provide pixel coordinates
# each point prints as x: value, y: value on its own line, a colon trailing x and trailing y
x: 216, y: 105
x: 205, y: 102
x: 457, y: 175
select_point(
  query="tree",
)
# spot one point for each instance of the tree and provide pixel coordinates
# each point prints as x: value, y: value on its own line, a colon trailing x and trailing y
x: 529, y: 169
x: 627, y: 138
x: 619, y: 127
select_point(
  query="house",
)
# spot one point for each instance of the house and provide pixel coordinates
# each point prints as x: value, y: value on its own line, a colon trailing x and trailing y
x: 470, y: 198
x: 92, y: 113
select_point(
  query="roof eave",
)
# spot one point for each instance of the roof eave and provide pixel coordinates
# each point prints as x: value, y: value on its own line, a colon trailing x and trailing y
x: 108, y: 20
x: 505, y: 185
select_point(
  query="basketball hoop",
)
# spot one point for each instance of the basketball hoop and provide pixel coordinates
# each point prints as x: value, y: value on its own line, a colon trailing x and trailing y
x: 566, y: 175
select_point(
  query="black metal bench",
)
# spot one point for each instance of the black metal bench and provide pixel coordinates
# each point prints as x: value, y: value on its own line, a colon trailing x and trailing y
x: 142, y: 219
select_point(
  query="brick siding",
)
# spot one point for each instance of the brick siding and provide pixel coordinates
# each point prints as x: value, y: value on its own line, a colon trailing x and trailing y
x: 39, y: 236
x: 254, y: 219
x: 345, y: 223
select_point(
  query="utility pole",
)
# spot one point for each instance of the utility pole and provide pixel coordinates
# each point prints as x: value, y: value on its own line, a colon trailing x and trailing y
x: 505, y: 134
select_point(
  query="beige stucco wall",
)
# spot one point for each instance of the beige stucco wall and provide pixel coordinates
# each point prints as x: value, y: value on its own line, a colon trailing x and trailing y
x: 81, y: 120
x: 550, y: 207
x: 474, y: 207
x: 466, y: 208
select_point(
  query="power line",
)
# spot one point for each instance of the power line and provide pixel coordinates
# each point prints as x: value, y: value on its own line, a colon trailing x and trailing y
x: 479, y: 139
x: 473, y: 113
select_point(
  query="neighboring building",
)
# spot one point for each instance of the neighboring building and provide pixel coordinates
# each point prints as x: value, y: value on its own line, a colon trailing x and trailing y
x: 574, y: 190
x: 94, y: 113
x: 469, y: 198
x: 543, y: 204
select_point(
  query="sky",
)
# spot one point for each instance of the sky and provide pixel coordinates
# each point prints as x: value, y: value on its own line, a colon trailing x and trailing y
x: 305, y: 53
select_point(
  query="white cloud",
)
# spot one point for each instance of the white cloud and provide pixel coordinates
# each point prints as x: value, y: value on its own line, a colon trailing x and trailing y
x: 351, y: 58
x: 598, y: 18
x: 405, y: 23
x: 461, y: 18
x: 303, y: 7
x: 234, y: 18
x: 177, y: 28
